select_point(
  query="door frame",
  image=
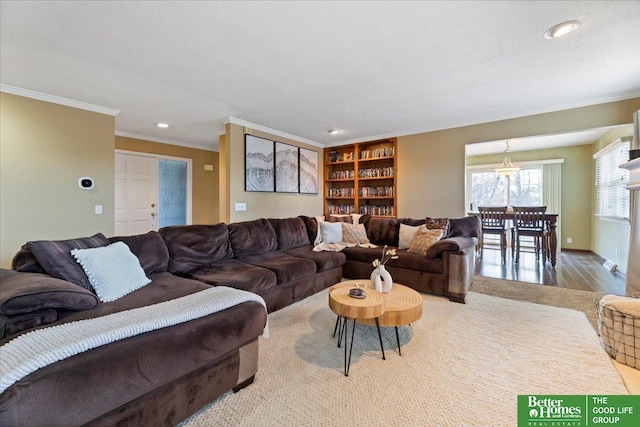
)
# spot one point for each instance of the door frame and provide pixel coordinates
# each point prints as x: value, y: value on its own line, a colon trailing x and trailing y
x: 189, y: 163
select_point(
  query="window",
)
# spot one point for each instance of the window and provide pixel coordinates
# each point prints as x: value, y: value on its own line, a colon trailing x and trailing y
x: 490, y: 189
x: 612, y: 197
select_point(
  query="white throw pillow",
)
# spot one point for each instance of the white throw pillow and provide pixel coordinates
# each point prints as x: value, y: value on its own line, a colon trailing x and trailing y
x: 113, y: 271
x: 331, y: 232
x: 407, y: 233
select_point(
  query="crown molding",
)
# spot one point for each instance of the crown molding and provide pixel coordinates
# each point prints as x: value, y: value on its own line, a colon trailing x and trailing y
x: 27, y: 93
x: 254, y: 126
x: 166, y: 141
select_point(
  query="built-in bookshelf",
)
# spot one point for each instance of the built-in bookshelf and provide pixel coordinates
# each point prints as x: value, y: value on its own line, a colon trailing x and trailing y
x: 361, y: 178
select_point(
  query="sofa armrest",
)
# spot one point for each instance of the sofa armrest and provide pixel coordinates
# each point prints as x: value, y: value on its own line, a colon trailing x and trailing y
x: 461, y: 267
x: 451, y: 244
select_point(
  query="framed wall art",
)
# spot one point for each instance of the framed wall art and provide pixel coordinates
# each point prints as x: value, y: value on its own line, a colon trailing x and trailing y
x: 286, y: 168
x: 259, y: 164
x: 308, y: 171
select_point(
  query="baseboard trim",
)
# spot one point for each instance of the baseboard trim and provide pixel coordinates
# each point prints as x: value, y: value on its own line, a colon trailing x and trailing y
x: 619, y: 274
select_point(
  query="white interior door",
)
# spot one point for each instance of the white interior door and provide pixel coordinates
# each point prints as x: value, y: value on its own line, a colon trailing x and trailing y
x: 136, y: 194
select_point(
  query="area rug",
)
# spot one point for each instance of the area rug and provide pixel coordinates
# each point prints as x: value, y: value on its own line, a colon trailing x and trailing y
x: 573, y: 299
x: 461, y: 365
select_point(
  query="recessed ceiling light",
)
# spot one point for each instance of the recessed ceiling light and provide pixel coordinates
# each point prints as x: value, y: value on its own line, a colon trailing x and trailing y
x: 162, y: 125
x: 561, y: 29
x: 334, y: 131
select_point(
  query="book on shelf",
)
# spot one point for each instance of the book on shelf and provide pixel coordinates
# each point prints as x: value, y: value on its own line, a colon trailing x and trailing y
x: 376, y: 191
x: 376, y: 172
x: 341, y: 174
x: 376, y: 210
x: 377, y: 153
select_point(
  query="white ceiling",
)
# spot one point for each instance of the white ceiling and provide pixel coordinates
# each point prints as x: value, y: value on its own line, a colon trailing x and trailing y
x: 373, y: 69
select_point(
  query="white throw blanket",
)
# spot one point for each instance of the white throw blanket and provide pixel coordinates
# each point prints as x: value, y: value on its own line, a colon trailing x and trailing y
x: 338, y: 247
x: 37, y: 349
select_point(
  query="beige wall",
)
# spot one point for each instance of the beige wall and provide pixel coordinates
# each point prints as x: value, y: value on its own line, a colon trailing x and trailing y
x: 263, y: 205
x: 577, y: 182
x: 205, y: 203
x: 610, y: 239
x: 44, y: 149
x: 224, y: 177
x: 431, y: 165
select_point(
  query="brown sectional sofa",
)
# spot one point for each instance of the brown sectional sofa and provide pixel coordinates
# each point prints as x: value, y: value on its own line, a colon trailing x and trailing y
x: 447, y: 268
x: 161, y: 377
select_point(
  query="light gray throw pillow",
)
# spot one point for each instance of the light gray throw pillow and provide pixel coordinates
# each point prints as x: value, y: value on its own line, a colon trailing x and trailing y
x: 113, y: 271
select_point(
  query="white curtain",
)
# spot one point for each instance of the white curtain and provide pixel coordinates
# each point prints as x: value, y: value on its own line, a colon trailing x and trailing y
x: 551, y: 193
x: 633, y: 267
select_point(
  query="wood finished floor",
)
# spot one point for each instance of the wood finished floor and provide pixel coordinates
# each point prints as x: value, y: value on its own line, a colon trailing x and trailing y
x: 573, y: 270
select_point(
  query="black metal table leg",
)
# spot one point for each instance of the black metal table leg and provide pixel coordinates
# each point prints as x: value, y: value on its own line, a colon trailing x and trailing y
x: 344, y: 334
x: 380, y: 338
x: 339, y: 325
x: 398, y: 341
x: 335, y: 329
x: 353, y: 332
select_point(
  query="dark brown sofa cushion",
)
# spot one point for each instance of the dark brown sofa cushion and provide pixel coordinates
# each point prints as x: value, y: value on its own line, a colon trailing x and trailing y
x: 285, y: 267
x: 10, y: 325
x: 324, y: 260
x: 386, y: 231
x: 163, y: 287
x: 55, y: 257
x: 235, y: 274
x: 312, y: 227
x: 469, y: 226
x: 383, y: 231
x: 406, y: 260
x: 192, y: 246
x: 150, y: 249
x: 290, y: 232
x: 252, y: 238
x: 25, y: 261
x: 28, y: 292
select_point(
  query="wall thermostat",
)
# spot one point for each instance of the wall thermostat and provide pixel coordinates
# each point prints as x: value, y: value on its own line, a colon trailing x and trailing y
x: 85, y: 183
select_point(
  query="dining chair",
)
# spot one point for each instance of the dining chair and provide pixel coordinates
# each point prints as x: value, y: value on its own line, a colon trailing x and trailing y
x: 493, y: 222
x: 529, y: 221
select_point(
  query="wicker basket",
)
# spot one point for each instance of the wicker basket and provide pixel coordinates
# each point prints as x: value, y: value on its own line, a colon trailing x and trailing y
x: 619, y: 333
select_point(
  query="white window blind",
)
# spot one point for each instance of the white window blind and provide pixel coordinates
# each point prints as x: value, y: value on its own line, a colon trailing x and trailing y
x: 612, y: 198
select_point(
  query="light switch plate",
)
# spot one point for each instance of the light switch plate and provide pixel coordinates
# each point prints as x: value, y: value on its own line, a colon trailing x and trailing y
x: 241, y: 206
x: 98, y: 209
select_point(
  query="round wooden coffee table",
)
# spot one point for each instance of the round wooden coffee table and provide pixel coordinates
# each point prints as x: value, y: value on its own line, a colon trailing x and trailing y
x: 401, y: 306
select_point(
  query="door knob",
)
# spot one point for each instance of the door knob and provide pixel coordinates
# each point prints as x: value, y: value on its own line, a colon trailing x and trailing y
x: 153, y: 205
x: 153, y: 214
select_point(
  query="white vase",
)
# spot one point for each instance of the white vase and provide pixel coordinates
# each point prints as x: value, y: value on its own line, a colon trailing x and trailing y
x: 376, y: 281
x: 381, y: 279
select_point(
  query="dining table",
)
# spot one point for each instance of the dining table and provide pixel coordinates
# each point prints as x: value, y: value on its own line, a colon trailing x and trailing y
x: 552, y: 223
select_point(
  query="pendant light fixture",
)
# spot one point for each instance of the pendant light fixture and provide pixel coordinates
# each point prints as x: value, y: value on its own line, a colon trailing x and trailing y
x: 507, y: 168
